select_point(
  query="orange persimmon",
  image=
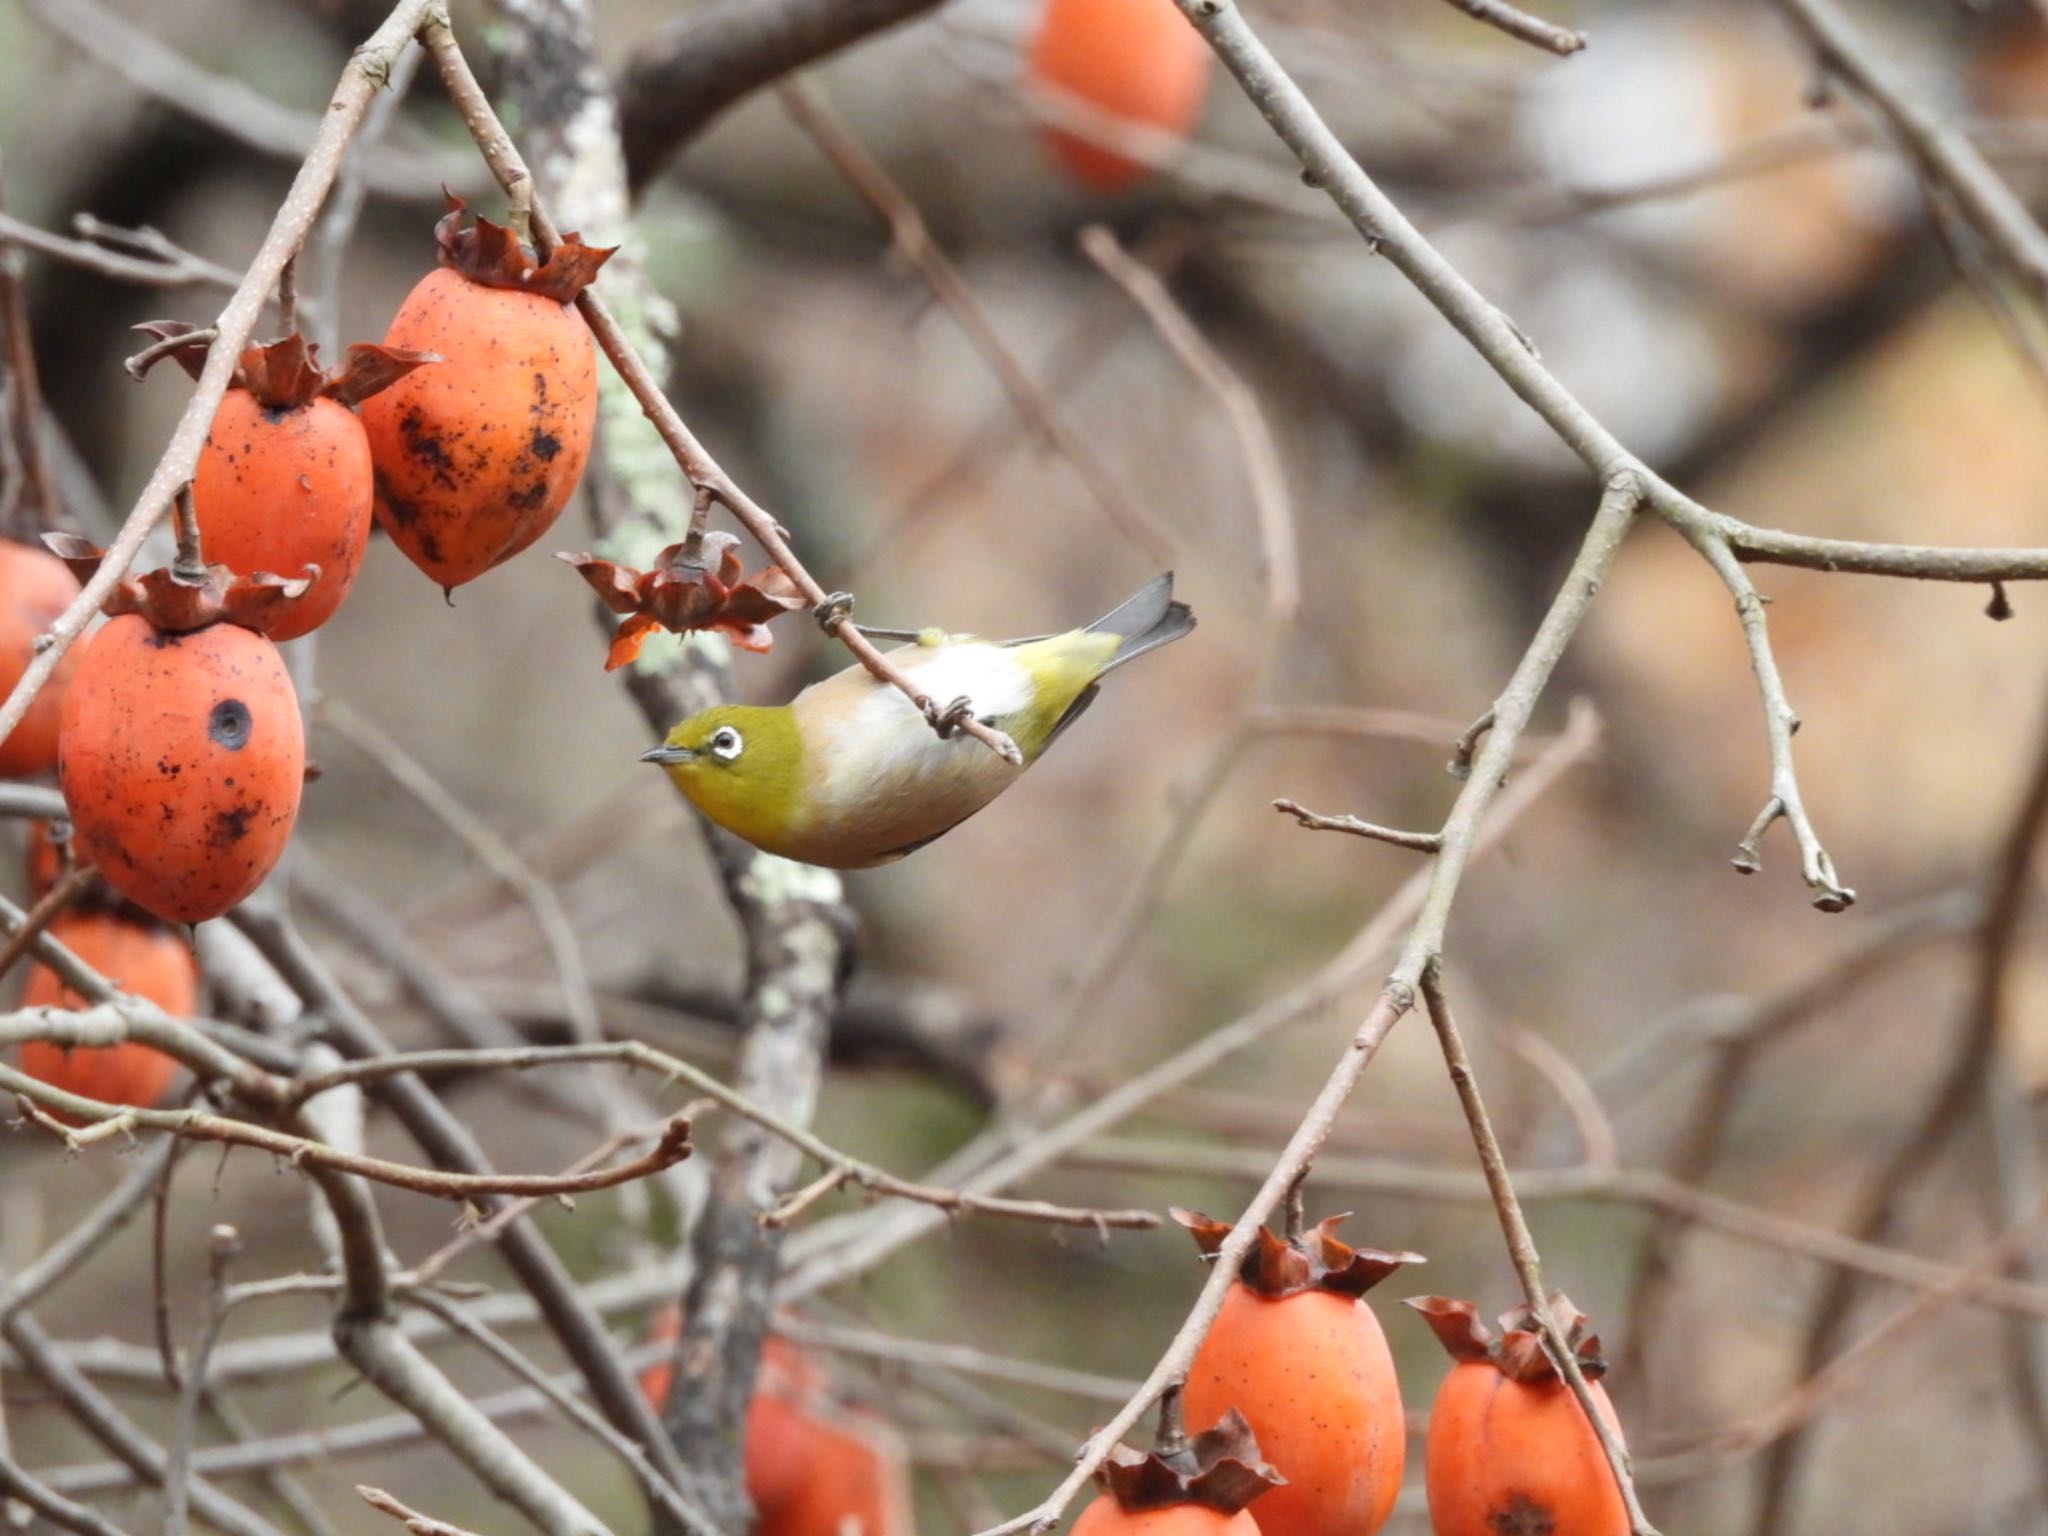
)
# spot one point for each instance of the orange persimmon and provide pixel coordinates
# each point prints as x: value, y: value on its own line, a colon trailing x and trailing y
x: 146, y: 959
x: 811, y: 1469
x: 476, y: 456
x: 1510, y: 1450
x: 1138, y: 61
x: 1299, y: 1353
x: 1183, y: 1486
x: 181, y: 760
x: 284, y: 481
x: 35, y: 587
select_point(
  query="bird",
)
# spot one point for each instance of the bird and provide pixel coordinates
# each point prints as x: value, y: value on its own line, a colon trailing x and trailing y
x: 850, y: 774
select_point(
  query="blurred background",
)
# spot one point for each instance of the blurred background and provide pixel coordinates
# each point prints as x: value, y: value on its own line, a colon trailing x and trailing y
x: 1744, y: 284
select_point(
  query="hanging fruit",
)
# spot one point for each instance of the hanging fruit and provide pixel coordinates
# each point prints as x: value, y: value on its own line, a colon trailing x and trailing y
x: 812, y: 1469
x: 145, y: 959
x: 1299, y: 1353
x: 1135, y: 62
x: 477, y: 456
x: 284, y: 480
x: 1182, y: 1486
x: 35, y: 587
x: 181, y: 761
x: 1510, y: 1449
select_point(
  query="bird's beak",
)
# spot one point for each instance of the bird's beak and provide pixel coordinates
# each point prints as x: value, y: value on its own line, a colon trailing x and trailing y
x: 667, y: 754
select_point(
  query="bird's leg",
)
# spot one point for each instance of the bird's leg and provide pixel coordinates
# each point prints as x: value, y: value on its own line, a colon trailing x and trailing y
x: 833, y: 611
x: 948, y: 720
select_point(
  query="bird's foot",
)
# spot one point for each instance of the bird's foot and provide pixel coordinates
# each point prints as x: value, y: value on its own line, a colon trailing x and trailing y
x: 833, y: 611
x: 949, y: 720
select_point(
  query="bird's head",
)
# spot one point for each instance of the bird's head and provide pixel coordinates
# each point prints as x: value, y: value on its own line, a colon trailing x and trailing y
x: 740, y: 765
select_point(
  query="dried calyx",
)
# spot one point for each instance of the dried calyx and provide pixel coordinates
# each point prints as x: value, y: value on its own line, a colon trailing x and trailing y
x: 178, y: 602
x: 1219, y: 1469
x: 1316, y: 1261
x: 284, y: 375
x: 693, y: 585
x: 491, y: 254
x: 1517, y: 1350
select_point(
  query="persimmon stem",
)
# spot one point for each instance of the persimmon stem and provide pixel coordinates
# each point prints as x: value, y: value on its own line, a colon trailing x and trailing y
x: 288, y: 295
x: 1296, y: 1219
x: 1172, y: 1438
x: 190, y: 566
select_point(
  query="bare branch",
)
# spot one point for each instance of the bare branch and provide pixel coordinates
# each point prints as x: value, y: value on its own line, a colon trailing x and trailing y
x: 1416, y: 842
x: 1547, y: 35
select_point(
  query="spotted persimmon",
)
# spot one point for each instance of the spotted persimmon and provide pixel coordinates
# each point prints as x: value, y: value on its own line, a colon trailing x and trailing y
x: 146, y: 959
x: 1134, y: 61
x: 475, y: 457
x: 35, y: 587
x: 181, y: 761
x: 1510, y: 1450
x: 811, y: 1469
x: 1183, y: 1486
x: 284, y: 480
x: 1296, y: 1349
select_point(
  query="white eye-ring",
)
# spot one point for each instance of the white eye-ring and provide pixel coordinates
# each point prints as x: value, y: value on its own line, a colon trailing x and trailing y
x: 726, y: 744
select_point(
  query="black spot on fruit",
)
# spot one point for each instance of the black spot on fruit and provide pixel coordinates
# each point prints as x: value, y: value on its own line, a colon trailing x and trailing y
x: 427, y: 447
x: 231, y: 826
x: 229, y: 724
x: 531, y: 497
x: 1522, y: 1516
x: 544, y: 445
x: 161, y: 639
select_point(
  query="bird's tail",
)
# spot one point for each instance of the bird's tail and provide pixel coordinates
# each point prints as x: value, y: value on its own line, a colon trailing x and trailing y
x: 1146, y: 620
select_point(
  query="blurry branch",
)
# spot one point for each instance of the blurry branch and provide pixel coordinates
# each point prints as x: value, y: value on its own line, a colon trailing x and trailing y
x: 693, y: 69
x: 1270, y: 502
x: 329, y: 244
x: 78, y: 1245
x: 912, y: 239
x: 223, y: 1244
x: 226, y: 105
x: 1944, y: 154
x: 30, y: 487
x: 1522, y: 1243
x: 703, y: 472
x: 1547, y: 35
x: 647, y: 1058
x: 52, y: 1506
x: 1965, y: 1090
x: 1879, y: 1347
x: 364, y: 74
x: 557, y: 932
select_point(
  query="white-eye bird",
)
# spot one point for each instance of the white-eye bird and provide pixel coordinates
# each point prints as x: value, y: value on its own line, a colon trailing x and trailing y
x: 849, y: 774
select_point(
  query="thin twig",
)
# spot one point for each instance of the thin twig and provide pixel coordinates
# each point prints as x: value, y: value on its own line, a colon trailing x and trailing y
x: 222, y: 1246
x: 1418, y: 842
x: 1522, y: 1243
x: 1547, y: 35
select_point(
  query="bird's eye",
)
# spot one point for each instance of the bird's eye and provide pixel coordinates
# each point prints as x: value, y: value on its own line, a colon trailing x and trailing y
x: 726, y: 743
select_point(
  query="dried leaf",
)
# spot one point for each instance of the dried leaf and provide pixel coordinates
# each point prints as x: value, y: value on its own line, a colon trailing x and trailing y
x: 491, y: 254
x: 370, y: 367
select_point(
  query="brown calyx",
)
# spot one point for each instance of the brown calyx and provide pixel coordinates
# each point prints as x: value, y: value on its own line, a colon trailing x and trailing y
x: 178, y: 602
x: 284, y: 375
x: 692, y: 585
x: 1517, y: 1351
x: 1219, y: 1469
x: 1316, y: 1261
x: 491, y: 254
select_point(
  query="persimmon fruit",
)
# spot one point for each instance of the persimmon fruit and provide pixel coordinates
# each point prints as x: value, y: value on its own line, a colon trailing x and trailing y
x: 182, y: 759
x: 1136, y: 60
x: 35, y: 587
x: 145, y: 959
x: 811, y: 1469
x: 1510, y: 1450
x: 285, y: 481
x: 476, y: 456
x: 1296, y: 1349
